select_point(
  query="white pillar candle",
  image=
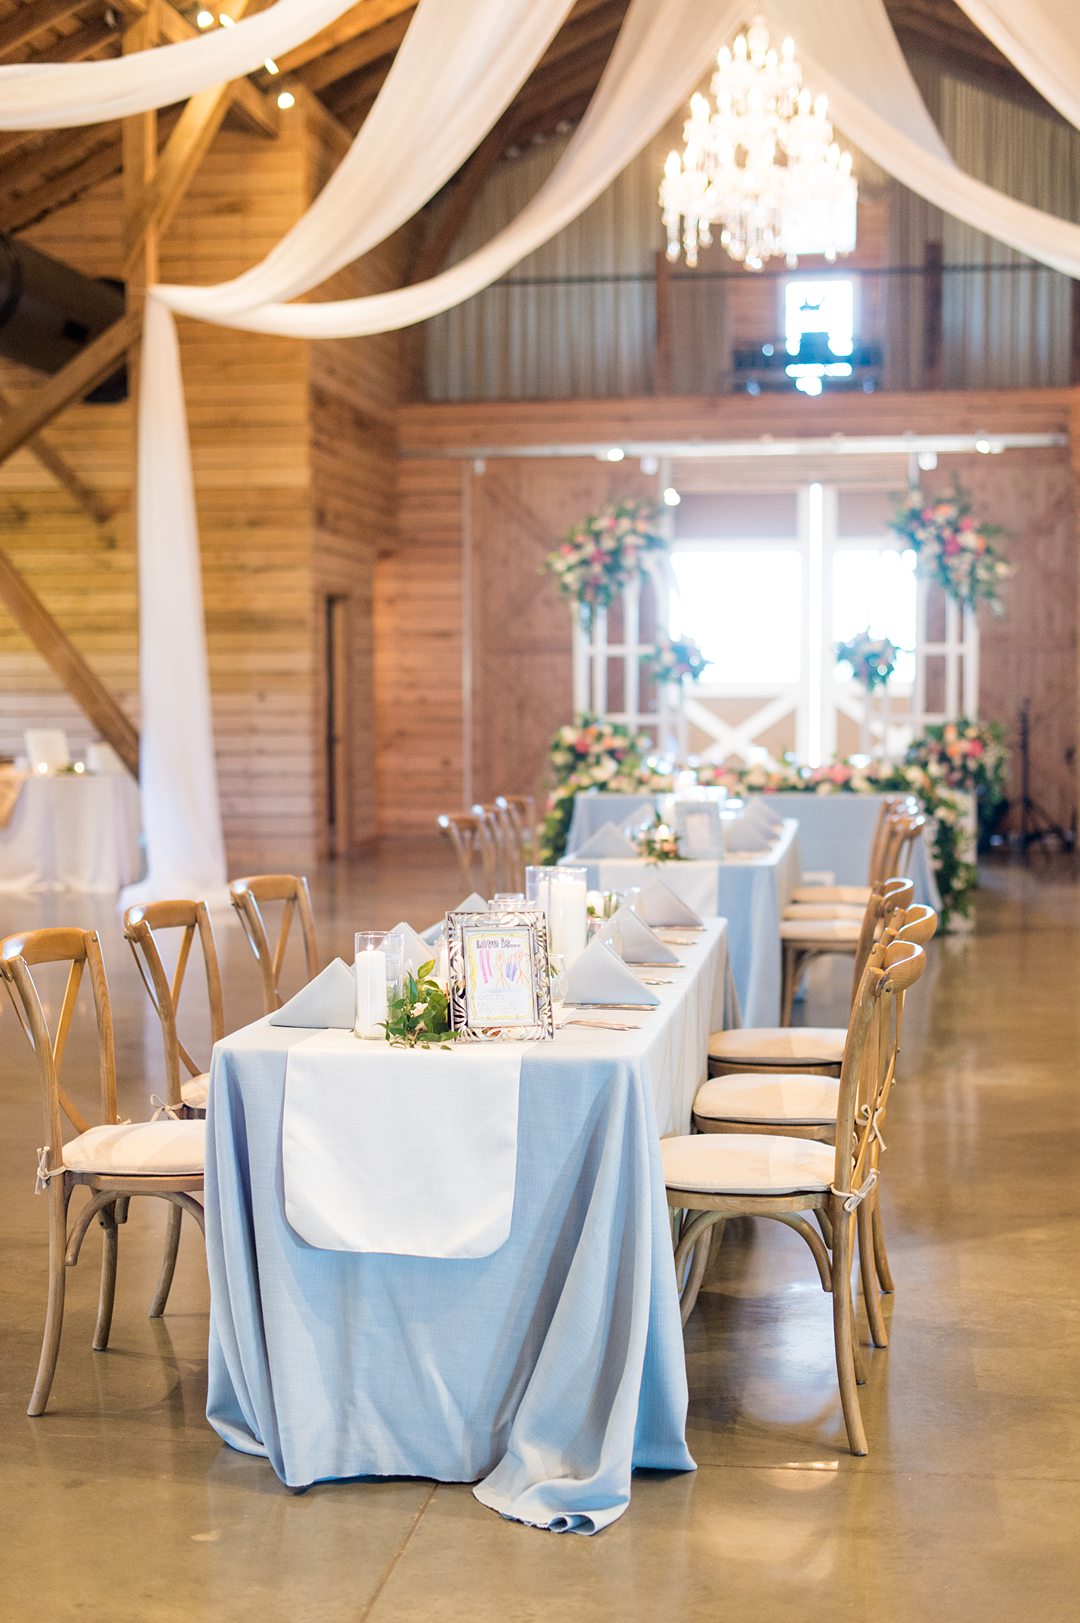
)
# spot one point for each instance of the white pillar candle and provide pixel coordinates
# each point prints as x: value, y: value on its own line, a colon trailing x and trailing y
x: 371, y: 1002
x: 568, y: 926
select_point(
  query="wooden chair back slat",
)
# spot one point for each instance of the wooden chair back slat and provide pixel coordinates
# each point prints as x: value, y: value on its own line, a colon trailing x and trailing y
x: 248, y: 896
x: 473, y: 848
x: 142, y: 928
x: 81, y: 951
x: 868, y: 1067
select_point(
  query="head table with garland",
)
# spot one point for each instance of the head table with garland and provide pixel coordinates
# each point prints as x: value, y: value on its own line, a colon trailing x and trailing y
x: 955, y: 769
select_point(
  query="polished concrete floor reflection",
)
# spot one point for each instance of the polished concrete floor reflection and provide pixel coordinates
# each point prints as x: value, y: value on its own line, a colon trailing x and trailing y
x: 121, y: 1505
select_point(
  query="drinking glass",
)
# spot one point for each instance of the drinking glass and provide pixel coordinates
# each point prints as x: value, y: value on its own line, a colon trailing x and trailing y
x: 507, y: 901
x: 557, y: 971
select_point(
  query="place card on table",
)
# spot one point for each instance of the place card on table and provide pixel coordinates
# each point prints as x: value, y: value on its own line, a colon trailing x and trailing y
x: 400, y: 1151
x: 608, y: 841
x: 600, y: 978
x: 327, y: 1002
x: 658, y: 905
x: 639, y: 944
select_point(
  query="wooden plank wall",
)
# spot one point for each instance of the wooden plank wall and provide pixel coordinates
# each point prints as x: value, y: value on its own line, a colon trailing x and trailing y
x: 294, y: 458
x: 496, y: 657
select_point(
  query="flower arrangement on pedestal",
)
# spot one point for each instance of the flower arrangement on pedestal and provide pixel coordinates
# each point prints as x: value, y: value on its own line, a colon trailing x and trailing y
x: 659, y: 843
x: 872, y: 659
x: 597, y: 558
x: 953, y: 547
x: 591, y: 753
x: 675, y: 659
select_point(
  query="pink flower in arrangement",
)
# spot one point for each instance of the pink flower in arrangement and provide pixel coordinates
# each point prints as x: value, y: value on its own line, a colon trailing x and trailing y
x: 967, y: 522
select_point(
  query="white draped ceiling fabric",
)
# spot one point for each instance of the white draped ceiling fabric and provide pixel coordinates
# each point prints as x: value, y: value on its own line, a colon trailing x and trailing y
x: 1041, y: 38
x: 60, y: 95
x: 461, y: 63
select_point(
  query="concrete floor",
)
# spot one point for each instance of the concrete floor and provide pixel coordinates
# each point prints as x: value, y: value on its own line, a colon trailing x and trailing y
x: 121, y: 1504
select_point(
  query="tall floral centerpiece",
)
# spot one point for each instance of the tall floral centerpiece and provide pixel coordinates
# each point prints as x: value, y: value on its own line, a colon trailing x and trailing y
x: 953, y: 547
x: 591, y: 753
x: 872, y: 661
x: 597, y: 558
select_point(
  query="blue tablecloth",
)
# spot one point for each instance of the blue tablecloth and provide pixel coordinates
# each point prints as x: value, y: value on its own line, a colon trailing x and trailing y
x: 548, y: 1369
x: 835, y: 834
x: 751, y: 892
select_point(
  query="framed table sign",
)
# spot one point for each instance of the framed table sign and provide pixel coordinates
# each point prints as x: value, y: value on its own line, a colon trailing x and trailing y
x: 699, y: 828
x: 500, y: 985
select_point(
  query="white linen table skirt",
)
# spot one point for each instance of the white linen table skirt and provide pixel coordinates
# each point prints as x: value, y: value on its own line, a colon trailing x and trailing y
x: 76, y: 832
x: 749, y: 889
x: 547, y: 1370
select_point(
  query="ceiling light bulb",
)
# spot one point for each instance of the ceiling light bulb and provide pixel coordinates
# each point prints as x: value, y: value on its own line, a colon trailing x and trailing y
x: 927, y: 461
x: 225, y: 20
x: 983, y: 446
x: 285, y: 100
x: 205, y: 19
x: 671, y: 497
x: 271, y: 66
x: 617, y: 453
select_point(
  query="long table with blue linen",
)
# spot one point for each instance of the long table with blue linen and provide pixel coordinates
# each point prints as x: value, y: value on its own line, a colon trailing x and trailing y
x: 750, y: 889
x: 835, y: 832
x: 458, y: 1265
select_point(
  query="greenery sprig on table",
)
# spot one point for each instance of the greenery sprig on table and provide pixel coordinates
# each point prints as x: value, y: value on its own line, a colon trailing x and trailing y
x: 659, y: 843
x: 419, y: 1015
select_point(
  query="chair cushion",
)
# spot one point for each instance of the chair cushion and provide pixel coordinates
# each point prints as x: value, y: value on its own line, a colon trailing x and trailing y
x: 746, y: 1164
x: 152, y: 1149
x: 196, y: 1090
x: 827, y: 931
x: 856, y: 895
x: 824, y: 910
x: 770, y: 1100
x: 780, y: 1045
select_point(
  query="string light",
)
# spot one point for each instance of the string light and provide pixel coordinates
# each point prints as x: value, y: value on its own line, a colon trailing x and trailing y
x: 671, y: 497
x: 271, y: 66
x: 285, y: 100
x: 226, y: 21
x: 205, y: 19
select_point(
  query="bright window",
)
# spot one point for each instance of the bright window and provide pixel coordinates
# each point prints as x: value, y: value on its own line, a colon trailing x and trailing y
x: 743, y: 606
x: 874, y: 587
x: 826, y: 307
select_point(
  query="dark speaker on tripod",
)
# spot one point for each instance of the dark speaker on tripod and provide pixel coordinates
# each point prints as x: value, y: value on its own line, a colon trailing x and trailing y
x: 49, y: 311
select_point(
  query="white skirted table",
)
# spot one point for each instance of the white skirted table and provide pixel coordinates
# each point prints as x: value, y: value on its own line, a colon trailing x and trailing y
x: 749, y: 889
x: 544, y: 1371
x: 72, y: 831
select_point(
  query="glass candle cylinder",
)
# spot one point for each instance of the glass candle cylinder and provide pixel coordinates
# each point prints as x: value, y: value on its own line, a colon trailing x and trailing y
x: 379, y: 970
x: 569, y: 890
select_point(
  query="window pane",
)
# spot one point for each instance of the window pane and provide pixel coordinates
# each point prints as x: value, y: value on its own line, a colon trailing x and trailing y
x: 743, y: 607
x: 874, y: 587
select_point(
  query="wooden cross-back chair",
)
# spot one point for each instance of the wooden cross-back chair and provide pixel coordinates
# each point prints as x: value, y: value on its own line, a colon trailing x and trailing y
x: 801, y: 1102
x: 500, y: 842
x: 805, y: 935
x: 713, y: 1176
x: 114, y: 1160
x: 473, y: 847
x: 142, y: 927
x: 249, y: 896
x: 519, y: 816
x: 815, y: 1050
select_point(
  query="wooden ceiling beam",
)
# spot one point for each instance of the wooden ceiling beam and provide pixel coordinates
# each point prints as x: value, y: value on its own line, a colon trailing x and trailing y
x: 30, y: 22
x: 258, y: 111
x: 100, y: 163
x: 74, y: 381
x: 54, y: 462
x: 356, y: 53
x: 364, y: 16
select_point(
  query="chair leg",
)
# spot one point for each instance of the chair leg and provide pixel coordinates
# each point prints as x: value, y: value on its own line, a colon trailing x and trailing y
x: 702, y: 1252
x: 59, y: 1196
x: 871, y: 1297
x: 789, y: 982
x: 881, y: 1259
x: 168, y: 1261
x: 843, y: 1330
x: 107, y: 1296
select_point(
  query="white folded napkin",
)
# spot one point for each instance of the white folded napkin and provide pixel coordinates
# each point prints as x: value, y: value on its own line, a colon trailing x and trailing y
x: 472, y: 904
x: 609, y: 841
x: 327, y: 1001
x: 746, y: 834
x: 658, y: 904
x: 417, y: 950
x: 639, y: 944
x: 760, y: 814
x: 600, y: 976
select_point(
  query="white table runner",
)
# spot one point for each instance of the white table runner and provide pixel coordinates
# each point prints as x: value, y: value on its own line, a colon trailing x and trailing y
x: 400, y: 1151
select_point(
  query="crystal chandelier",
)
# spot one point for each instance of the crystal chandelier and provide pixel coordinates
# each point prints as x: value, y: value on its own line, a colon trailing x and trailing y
x: 763, y: 166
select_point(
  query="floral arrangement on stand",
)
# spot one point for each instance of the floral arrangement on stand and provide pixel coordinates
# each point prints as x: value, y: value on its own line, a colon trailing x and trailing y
x: 953, y: 547
x: 659, y: 843
x: 872, y: 659
x: 590, y: 753
x: 419, y: 1015
x: 675, y: 659
x: 599, y: 557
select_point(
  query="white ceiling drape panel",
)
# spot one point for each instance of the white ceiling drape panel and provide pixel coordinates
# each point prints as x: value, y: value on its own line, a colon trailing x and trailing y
x: 61, y: 95
x: 1041, y: 38
x: 875, y: 100
x: 396, y: 163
